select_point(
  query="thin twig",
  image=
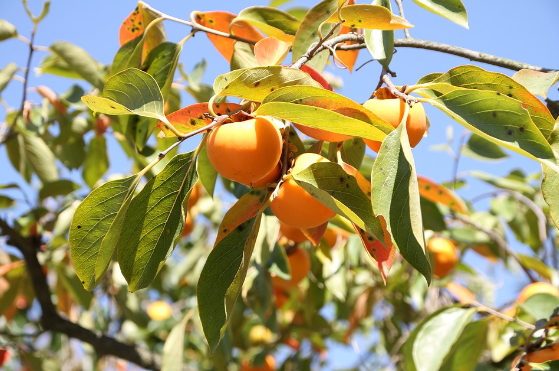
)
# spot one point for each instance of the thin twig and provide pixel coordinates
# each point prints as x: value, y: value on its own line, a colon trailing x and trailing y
x: 501, y: 315
x: 385, y: 77
x: 401, y: 10
x: 320, y: 46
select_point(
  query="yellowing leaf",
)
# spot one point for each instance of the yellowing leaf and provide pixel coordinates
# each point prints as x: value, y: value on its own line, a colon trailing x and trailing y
x: 348, y: 57
x: 131, y: 27
x: 537, y: 82
x: 271, y: 21
x: 460, y: 293
x: 372, y: 17
x: 437, y: 193
x: 315, y: 234
x: 221, y: 21
x: 271, y: 51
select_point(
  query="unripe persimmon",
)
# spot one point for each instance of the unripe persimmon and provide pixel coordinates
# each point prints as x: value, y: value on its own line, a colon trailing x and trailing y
x: 188, y: 225
x: 291, y: 233
x: 296, y: 207
x: 445, y: 256
x: 539, y: 356
x: 159, y: 310
x: 245, y: 151
x: 268, y: 365
x: 392, y: 110
x: 299, y: 264
x: 537, y: 288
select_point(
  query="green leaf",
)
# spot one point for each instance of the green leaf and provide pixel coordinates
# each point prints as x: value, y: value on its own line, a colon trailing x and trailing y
x: 307, y: 34
x: 467, y: 350
x: 55, y: 65
x: 79, y: 61
x: 256, y: 83
x: 322, y: 109
x: 122, y: 57
x: 173, y: 350
x: 503, y: 182
x: 374, y: 17
x: 161, y: 63
x: 40, y: 158
x: 6, y: 202
x: 18, y: 157
x: 6, y: 75
x: 155, y: 221
x: 395, y: 196
x: 72, y: 285
x: 206, y: 172
x: 482, y: 149
x: 7, y: 30
x: 271, y: 21
x: 353, y: 151
x: 433, y: 219
x: 97, y: 226
x: 540, y: 306
x: 96, y: 160
x: 546, y: 366
x: 452, y: 10
x: 129, y: 92
x: 476, y: 78
x: 494, y: 116
x: 381, y: 43
x: 60, y: 187
x: 243, y: 56
x: 332, y: 186
x: 222, y: 278
x: 538, y: 266
x: 537, y: 83
x: 431, y: 341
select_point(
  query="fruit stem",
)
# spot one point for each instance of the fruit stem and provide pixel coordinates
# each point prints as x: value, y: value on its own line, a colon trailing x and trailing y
x: 402, y: 94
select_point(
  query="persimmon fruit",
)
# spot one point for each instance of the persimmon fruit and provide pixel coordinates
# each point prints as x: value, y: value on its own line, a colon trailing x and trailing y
x: 445, y: 256
x: 188, y: 225
x: 320, y: 134
x: 299, y: 264
x: 294, y: 234
x: 195, y: 194
x: 259, y: 335
x: 331, y: 236
x: 272, y: 177
x: 245, y: 151
x: 296, y: 207
x: 392, y: 110
x: 537, y: 288
x: 159, y: 310
x: 268, y: 365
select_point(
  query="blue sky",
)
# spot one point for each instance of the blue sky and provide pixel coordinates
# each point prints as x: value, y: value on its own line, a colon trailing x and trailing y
x: 519, y: 30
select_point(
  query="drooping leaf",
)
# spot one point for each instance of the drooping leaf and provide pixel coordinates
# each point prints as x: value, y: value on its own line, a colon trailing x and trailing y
x: 271, y: 51
x: 243, y: 56
x: 6, y: 75
x: 480, y: 148
x: 7, y: 30
x: 452, y: 10
x: 96, y: 160
x: 432, y: 340
x: 173, y: 350
x: 381, y: 43
x: 271, y: 21
x: 256, y: 83
x: 55, y: 65
x: 80, y: 61
x: 129, y: 92
x: 193, y: 117
x: 206, y: 172
x: 155, y: 221
x: 97, y: 226
x: 503, y: 182
x: 307, y: 33
x: 440, y: 194
x: 60, y: 187
x: 373, y: 17
x: 40, y: 158
x: 395, y: 197
x: 537, y: 83
x: 473, y: 77
x: 465, y: 353
x: 221, y: 21
x: 322, y: 109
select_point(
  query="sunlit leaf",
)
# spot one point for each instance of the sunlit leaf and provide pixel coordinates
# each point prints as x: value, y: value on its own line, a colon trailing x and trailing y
x: 271, y: 21
x: 537, y: 83
x: 60, y: 187
x: 374, y: 17
x: 40, y: 157
x: 243, y: 56
x: 482, y: 149
x: 396, y: 198
x: 381, y: 43
x: 271, y: 51
x: 206, y: 172
x: 96, y: 160
x: 155, y: 221
x: 452, y: 10
x: 161, y: 63
x: 540, y: 305
x: 7, y: 30
x: 221, y: 21
x: 440, y: 194
x: 79, y: 61
x: 6, y: 75
x: 466, y: 352
x: 55, y: 65
x: 173, y: 349
x: 322, y: 109
x: 550, y: 181
x: 131, y: 27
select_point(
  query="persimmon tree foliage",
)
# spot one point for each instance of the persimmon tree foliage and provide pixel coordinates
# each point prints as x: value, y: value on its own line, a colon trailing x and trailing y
x: 316, y: 242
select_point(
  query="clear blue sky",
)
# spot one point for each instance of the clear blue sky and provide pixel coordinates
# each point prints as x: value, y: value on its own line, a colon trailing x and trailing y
x: 515, y: 29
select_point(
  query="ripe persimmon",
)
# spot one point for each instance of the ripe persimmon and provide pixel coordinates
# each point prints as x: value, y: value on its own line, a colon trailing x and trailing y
x: 445, y: 256
x: 299, y: 265
x: 159, y: 310
x: 320, y: 134
x: 194, y: 195
x: 331, y: 236
x: 537, y: 288
x: 550, y: 353
x: 392, y: 110
x: 296, y: 207
x: 245, y: 151
x: 188, y: 225
x: 294, y: 234
x: 272, y: 177
x: 485, y: 251
x: 268, y: 365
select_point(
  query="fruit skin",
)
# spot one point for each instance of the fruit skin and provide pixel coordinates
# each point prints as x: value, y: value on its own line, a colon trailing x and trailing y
x: 272, y: 177
x: 296, y: 207
x: 539, y: 356
x: 299, y: 265
x: 291, y: 233
x: 485, y: 251
x: 445, y: 256
x: 188, y: 225
x: 245, y: 151
x: 331, y: 236
x: 194, y: 195
x: 536, y: 288
x: 268, y: 365
x: 392, y: 110
x: 320, y: 134
x: 159, y: 310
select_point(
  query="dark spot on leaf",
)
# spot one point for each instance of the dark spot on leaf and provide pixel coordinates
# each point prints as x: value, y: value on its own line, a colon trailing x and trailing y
x: 256, y: 84
x: 227, y: 110
x: 440, y: 192
x: 241, y: 228
x: 79, y: 226
x: 272, y: 89
x: 370, y: 238
x: 494, y: 114
x: 509, y: 94
x: 521, y: 129
x: 225, y: 230
x: 188, y: 111
x: 216, y: 105
x: 347, y: 185
x: 83, y: 282
x: 509, y: 132
x: 359, y: 21
x: 211, y: 20
x: 192, y: 122
x: 498, y: 93
x: 225, y: 78
x: 341, y: 179
x: 374, y: 249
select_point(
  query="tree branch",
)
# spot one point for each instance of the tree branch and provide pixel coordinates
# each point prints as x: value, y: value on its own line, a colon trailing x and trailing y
x: 51, y: 320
